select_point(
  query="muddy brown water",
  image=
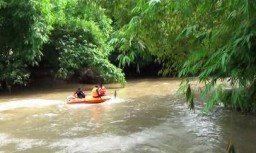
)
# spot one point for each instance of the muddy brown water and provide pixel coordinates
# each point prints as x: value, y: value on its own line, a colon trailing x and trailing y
x: 147, y: 116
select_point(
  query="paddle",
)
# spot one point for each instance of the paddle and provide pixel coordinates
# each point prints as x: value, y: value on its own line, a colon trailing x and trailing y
x: 115, y: 94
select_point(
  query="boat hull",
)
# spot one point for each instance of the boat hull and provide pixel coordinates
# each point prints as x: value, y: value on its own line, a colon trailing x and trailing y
x: 88, y: 100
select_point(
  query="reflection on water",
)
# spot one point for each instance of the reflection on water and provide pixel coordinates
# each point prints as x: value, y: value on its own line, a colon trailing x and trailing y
x: 147, y: 116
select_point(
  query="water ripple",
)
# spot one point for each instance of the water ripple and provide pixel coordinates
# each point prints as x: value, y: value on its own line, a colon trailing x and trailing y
x: 27, y: 103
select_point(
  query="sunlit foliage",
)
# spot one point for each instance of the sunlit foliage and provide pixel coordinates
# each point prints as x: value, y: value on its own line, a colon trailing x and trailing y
x: 80, y: 37
x: 226, y: 51
x: 68, y: 34
x: 24, y: 27
x: 212, y: 39
x: 152, y: 32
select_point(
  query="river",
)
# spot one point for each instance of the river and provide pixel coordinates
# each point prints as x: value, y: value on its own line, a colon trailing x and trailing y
x: 148, y: 116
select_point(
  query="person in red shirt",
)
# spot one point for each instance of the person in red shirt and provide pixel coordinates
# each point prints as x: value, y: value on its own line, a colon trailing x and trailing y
x: 102, y: 90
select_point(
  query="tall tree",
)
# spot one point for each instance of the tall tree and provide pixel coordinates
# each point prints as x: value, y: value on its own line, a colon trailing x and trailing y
x: 68, y: 34
x: 24, y: 27
x: 80, y: 36
x: 226, y: 50
x: 152, y: 32
x: 208, y: 35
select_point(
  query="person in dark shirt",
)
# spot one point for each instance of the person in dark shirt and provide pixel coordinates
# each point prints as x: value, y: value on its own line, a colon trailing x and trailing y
x: 79, y: 93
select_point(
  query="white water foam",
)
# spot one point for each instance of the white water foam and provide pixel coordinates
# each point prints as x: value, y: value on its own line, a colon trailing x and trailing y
x: 24, y: 144
x: 3, y: 137
x: 115, y: 100
x: 21, y: 144
x: 105, y: 143
x: 27, y: 104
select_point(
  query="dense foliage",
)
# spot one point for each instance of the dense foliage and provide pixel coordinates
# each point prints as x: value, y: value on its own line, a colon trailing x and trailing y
x: 68, y: 35
x: 211, y: 39
x: 214, y: 40
x: 24, y: 27
x: 80, y: 37
x: 152, y: 32
x: 225, y: 45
